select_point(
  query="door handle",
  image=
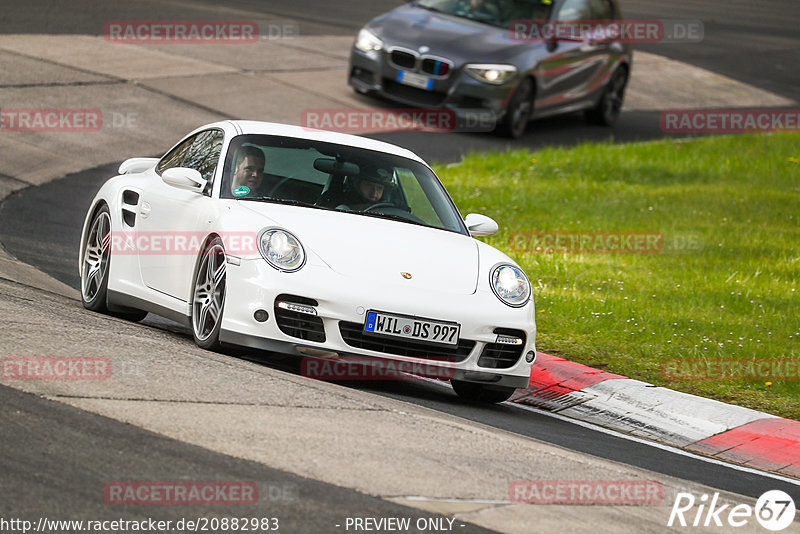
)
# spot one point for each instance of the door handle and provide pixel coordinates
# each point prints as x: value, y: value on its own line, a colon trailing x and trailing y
x: 145, y: 209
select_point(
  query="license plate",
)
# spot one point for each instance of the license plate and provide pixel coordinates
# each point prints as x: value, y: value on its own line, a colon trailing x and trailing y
x: 388, y: 324
x: 415, y: 80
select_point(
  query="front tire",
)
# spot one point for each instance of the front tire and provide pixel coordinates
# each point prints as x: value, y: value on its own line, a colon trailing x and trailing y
x: 470, y: 391
x: 518, y: 111
x: 208, y: 298
x: 607, y: 110
x: 96, y: 262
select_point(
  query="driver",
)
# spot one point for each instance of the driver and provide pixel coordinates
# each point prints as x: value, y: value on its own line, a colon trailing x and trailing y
x: 248, y: 172
x: 368, y: 188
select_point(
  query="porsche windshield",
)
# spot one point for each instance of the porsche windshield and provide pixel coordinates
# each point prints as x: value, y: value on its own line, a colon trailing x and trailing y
x: 498, y: 13
x: 329, y: 176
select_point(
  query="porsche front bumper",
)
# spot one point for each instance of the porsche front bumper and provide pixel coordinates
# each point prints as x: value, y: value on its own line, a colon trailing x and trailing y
x: 340, y: 304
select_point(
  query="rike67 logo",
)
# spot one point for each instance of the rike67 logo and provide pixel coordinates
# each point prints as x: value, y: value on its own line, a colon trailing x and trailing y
x: 774, y: 510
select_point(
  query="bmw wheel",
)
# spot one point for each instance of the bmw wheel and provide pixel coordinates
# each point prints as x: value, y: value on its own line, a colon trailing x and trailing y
x: 607, y: 110
x: 519, y: 110
x: 209, y: 296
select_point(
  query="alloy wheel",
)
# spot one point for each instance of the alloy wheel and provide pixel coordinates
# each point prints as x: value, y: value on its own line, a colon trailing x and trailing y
x: 209, y: 293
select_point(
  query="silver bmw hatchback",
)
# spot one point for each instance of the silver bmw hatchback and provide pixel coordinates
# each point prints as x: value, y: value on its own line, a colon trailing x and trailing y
x: 517, y: 60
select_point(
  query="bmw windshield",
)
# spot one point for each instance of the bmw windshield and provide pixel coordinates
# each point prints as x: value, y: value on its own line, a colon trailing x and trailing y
x: 330, y: 176
x: 499, y: 13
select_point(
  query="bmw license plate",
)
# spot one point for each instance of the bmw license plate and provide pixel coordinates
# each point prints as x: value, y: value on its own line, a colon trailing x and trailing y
x: 387, y: 324
x: 415, y: 80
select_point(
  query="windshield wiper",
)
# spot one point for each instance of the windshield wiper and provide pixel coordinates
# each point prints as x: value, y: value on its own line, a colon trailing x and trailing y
x: 470, y: 14
x: 279, y: 201
x: 390, y: 216
x: 429, y: 8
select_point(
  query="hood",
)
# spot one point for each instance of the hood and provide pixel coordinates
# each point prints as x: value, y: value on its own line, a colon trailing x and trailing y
x: 456, y: 38
x: 379, y: 250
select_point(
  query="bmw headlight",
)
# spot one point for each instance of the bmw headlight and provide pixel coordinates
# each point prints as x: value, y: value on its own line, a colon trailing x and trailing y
x: 510, y: 285
x: 281, y: 249
x: 368, y: 41
x: 490, y: 73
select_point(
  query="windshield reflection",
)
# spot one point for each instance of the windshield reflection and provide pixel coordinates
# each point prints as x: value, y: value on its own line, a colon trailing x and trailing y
x: 328, y: 176
x: 498, y: 13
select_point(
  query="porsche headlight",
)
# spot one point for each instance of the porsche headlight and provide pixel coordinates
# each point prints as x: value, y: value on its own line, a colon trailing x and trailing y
x: 368, y: 41
x: 281, y: 249
x: 490, y: 73
x: 510, y: 285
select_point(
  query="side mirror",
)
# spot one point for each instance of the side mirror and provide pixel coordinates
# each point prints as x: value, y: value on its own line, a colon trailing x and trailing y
x: 136, y: 165
x: 480, y: 225
x: 184, y: 178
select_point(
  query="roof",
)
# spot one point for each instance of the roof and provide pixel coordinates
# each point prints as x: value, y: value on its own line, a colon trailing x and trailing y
x: 288, y: 130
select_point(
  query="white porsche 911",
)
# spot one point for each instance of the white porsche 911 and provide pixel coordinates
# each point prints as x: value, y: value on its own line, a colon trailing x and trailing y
x: 310, y: 243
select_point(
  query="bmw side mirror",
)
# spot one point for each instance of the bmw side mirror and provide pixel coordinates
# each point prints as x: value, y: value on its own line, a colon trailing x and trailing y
x: 480, y: 225
x: 184, y: 178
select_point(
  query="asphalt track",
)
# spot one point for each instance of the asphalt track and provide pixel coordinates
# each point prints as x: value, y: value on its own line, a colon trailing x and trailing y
x: 60, y: 454
x: 57, y: 461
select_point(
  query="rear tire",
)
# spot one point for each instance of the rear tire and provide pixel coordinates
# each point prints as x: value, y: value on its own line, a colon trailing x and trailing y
x: 518, y: 111
x: 96, y: 267
x: 607, y: 110
x: 470, y: 391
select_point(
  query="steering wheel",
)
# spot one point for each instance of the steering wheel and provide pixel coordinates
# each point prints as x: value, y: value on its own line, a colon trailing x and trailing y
x: 277, y: 187
x: 379, y: 205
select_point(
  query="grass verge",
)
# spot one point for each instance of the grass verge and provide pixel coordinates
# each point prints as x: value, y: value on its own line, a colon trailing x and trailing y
x: 713, y: 281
